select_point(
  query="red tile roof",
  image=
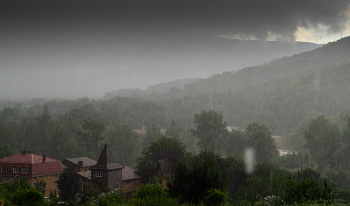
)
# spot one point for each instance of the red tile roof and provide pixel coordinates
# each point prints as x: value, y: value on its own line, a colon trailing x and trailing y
x: 35, y: 164
x: 26, y: 158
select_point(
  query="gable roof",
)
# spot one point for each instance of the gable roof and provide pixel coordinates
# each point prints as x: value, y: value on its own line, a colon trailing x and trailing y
x: 87, y: 162
x: 128, y: 174
x: 106, y: 161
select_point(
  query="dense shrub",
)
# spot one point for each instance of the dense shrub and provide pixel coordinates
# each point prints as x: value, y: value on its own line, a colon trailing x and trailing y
x: 153, y: 195
x: 28, y: 198
x: 216, y: 197
x: 113, y: 198
x: 307, y: 190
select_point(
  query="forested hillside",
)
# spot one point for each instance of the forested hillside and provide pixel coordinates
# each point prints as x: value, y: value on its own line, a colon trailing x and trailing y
x: 332, y: 53
x: 278, y: 94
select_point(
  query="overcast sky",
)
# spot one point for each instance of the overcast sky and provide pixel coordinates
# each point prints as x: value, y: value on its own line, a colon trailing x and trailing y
x: 58, y: 35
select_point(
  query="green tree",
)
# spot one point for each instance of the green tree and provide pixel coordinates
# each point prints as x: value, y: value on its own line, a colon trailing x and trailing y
x: 9, y: 114
x: 28, y: 198
x: 209, y: 130
x: 152, y: 133
x: 40, y: 186
x: 153, y: 195
x: 146, y: 164
x: 266, y: 180
x: 5, y: 151
x: 124, y: 144
x: 192, y: 181
x: 91, y: 134
x: 307, y: 190
x: 216, y: 197
x: 235, y: 143
x: 68, y: 184
x: 259, y: 138
x: 44, y: 130
x: 184, y: 135
x: 323, y: 140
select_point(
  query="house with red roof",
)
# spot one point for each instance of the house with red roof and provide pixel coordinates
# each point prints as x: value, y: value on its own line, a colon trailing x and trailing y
x: 33, y: 167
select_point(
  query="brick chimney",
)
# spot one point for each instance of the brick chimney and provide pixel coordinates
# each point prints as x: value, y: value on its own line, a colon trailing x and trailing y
x: 24, y: 152
x: 44, y: 158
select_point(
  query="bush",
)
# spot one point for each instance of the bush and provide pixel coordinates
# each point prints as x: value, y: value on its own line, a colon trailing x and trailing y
x: 216, y: 197
x: 28, y: 198
x: 113, y: 198
x: 307, y: 190
x: 153, y: 195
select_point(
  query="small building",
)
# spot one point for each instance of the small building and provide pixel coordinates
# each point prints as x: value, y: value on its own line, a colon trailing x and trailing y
x: 131, y: 182
x: 106, y: 175
x: 80, y: 164
x: 33, y: 167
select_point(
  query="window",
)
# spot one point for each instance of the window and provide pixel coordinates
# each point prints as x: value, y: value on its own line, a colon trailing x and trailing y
x: 0, y: 169
x: 99, y: 174
x: 0, y: 180
x: 85, y: 170
x: 24, y: 170
x: 116, y: 186
x: 15, y: 170
x: 160, y: 182
x: 82, y: 179
x: 86, y: 187
x: 128, y: 182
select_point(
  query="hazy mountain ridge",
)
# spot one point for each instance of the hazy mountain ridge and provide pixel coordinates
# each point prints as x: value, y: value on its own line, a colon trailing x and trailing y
x: 138, y: 66
x: 158, y: 88
x: 333, y: 53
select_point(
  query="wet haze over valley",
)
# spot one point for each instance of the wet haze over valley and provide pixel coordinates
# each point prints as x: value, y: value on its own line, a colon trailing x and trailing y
x: 73, y: 49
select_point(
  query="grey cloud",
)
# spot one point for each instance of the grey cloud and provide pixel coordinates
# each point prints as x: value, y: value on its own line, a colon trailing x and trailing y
x: 166, y: 18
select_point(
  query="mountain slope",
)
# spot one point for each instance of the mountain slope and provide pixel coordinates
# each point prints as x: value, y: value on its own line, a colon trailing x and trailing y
x: 138, y: 65
x: 333, y: 53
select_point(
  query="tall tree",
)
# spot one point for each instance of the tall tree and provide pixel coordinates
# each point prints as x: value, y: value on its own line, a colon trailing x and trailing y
x: 259, y: 138
x: 191, y: 182
x: 125, y: 144
x: 323, y: 140
x: 235, y: 143
x: 44, y: 130
x: 209, y: 129
x: 184, y: 135
x: 91, y: 134
x: 68, y: 184
x: 146, y: 164
x: 152, y: 133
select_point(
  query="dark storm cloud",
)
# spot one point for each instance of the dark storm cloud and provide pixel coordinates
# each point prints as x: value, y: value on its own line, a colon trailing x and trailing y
x: 42, y: 39
x: 137, y: 18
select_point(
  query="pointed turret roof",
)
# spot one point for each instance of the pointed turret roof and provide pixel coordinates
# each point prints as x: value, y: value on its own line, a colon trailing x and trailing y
x: 106, y: 161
